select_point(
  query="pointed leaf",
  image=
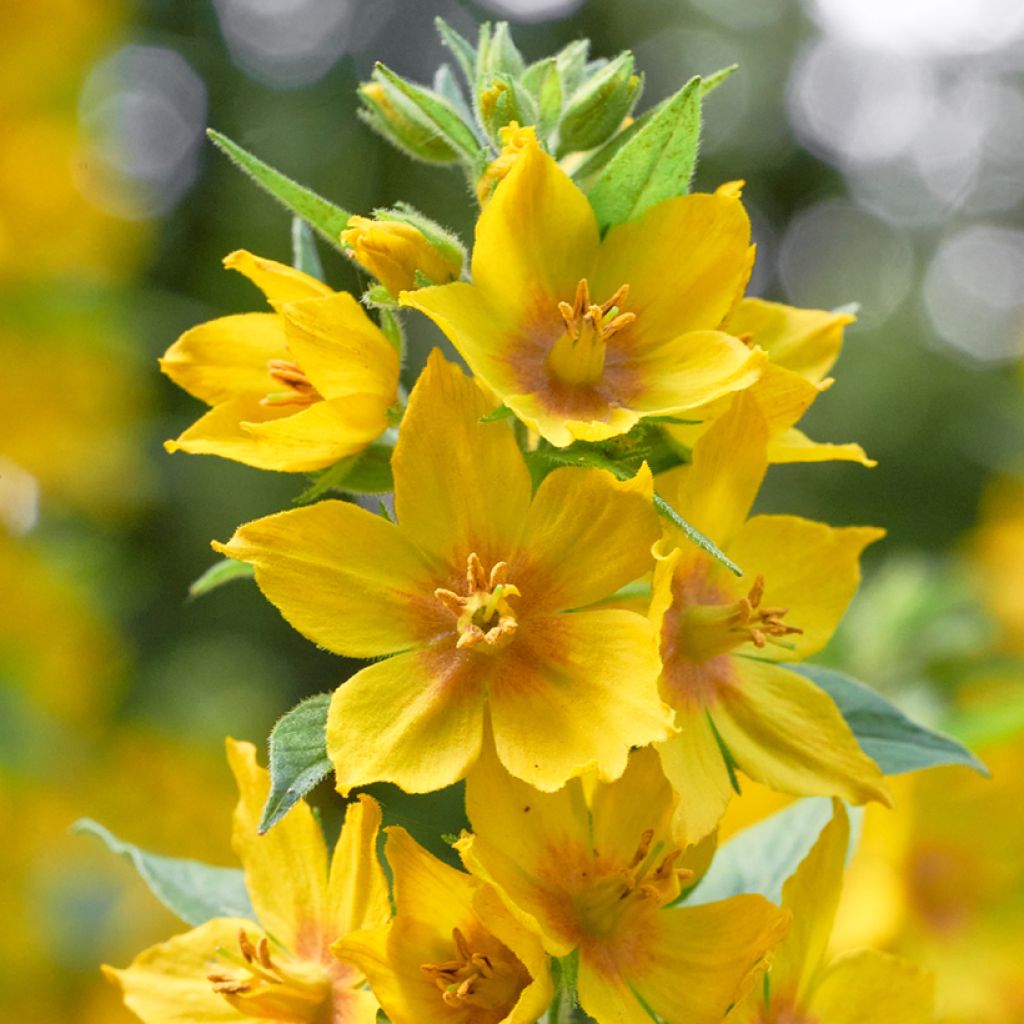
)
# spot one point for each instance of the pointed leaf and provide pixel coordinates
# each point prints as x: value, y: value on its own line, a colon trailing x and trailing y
x: 655, y: 164
x: 298, y: 757
x: 196, y: 892
x: 693, y: 534
x: 461, y: 48
x: 304, y: 254
x: 367, y: 472
x: 897, y: 743
x: 218, y: 574
x: 323, y: 216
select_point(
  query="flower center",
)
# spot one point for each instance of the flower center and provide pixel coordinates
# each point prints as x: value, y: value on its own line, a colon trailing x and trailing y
x: 784, y: 1013
x: 650, y: 879
x: 297, y: 388
x: 263, y: 987
x: 491, y: 982
x: 483, y: 615
x: 707, y: 630
x: 578, y: 355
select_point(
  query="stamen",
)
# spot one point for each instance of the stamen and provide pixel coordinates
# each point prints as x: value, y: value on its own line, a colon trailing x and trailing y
x: 484, y: 615
x: 474, y: 979
x: 299, y: 390
x: 761, y: 626
x: 578, y: 356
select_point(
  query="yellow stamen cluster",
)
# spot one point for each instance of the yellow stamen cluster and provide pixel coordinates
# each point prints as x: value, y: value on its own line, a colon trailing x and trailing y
x: 484, y: 615
x: 266, y: 988
x: 578, y: 355
x: 473, y: 978
x: 758, y: 624
x: 299, y: 390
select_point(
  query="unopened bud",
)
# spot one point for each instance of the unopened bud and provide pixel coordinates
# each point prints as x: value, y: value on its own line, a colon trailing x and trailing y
x: 399, y: 254
x: 599, y: 106
x: 503, y: 102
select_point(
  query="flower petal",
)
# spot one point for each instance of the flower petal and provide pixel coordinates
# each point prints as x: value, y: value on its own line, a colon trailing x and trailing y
x: 697, y: 771
x: 686, y: 262
x: 320, y: 434
x: 810, y: 569
x: 286, y: 869
x: 535, y: 240
x: 168, y: 984
x: 795, y: 446
x: 586, y: 535
x: 806, y: 341
x: 574, y: 692
x: 587, y: 417
x: 784, y: 731
x: 461, y: 486
x: 277, y: 281
x: 357, y: 891
x: 867, y: 985
x: 687, y: 964
x: 227, y: 357
x: 345, y: 578
x: 340, y: 349
x: 415, y: 719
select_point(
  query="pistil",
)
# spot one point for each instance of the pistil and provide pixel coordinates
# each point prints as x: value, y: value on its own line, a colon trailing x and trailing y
x: 483, y: 615
x: 578, y: 355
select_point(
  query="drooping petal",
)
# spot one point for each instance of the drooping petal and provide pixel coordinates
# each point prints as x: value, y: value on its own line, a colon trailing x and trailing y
x: 320, y: 434
x: 220, y: 432
x: 584, y: 417
x: 461, y: 486
x: 575, y: 692
x: 869, y: 987
x: 415, y: 719
x: 694, y: 764
x: 535, y: 240
x: 339, y: 348
x: 278, y: 282
x: 227, y: 357
x: 357, y: 891
x: 168, y: 984
x: 810, y: 569
x: 285, y: 869
x: 586, y: 535
x: 687, y: 964
x: 347, y: 579
x: 811, y: 895
x: 806, y: 341
x: 784, y: 731
x: 686, y: 262
x: 795, y: 446
x: 729, y: 463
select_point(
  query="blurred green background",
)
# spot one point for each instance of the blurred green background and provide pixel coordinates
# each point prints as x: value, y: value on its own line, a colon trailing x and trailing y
x: 883, y: 149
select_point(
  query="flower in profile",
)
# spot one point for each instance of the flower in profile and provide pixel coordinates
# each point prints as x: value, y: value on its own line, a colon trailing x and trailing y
x: 465, y: 599
x: 453, y: 950
x: 858, y: 987
x: 581, y: 337
x: 722, y: 638
x: 598, y: 876
x: 279, y: 966
x: 294, y: 390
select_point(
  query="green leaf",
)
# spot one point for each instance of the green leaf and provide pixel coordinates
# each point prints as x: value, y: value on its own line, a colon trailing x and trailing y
x: 367, y: 472
x: 461, y: 48
x: 655, y: 164
x: 304, y: 254
x: 716, y: 78
x: 695, y: 535
x: 897, y: 743
x: 760, y: 858
x: 503, y: 412
x: 327, y: 219
x: 196, y: 892
x: 298, y: 757
x: 218, y: 574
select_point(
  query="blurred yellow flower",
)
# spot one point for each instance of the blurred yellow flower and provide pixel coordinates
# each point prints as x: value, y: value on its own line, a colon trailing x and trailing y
x: 997, y: 548
x: 294, y: 390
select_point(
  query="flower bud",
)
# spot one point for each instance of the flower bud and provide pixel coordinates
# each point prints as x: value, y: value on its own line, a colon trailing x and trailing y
x: 503, y: 102
x: 399, y: 254
x: 514, y: 140
x: 599, y: 106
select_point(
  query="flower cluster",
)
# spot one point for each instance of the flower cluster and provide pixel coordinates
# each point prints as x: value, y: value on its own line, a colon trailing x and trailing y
x: 569, y: 604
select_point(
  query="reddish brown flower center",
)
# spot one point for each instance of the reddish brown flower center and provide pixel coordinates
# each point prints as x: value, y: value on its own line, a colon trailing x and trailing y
x: 490, y: 981
x: 484, y: 617
x: 296, y: 386
x: 276, y: 989
x: 578, y: 355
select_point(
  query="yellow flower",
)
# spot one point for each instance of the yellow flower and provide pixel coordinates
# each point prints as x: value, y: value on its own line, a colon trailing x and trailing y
x: 721, y: 636
x: 468, y: 593
x: 453, y: 951
x: 280, y: 968
x: 860, y: 987
x: 998, y: 556
x: 293, y: 390
x: 598, y: 876
x: 803, y: 345
x: 394, y: 251
x: 580, y: 336
x: 515, y: 140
